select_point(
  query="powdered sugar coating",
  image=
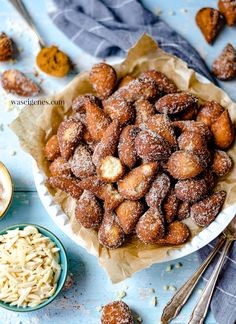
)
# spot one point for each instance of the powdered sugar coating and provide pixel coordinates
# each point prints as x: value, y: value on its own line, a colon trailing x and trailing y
x: 183, y: 210
x: 170, y: 206
x: 151, y: 147
x: 110, y: 234
x: 206, y: 210
x: 126, y: 148
x: 81, y: 162
x: 228, y: 9
x: 88, y: 210
x: 175, y: 102
x: 69, y: 134
x: 136, y: 183
x: 103, y: 79
x: 119, y: 109
x: 161, y: 124
x: 68, y: 184
x: 222, y: 163
x: 164, y: 84
x: 150, y: 226
x: 128, y: 213
x: 191, y: 190
x: 16, y: 82
x: 208, y: 113
x: 116, y: 313
x: 108, y: 143
x: 184, y: 165
x: 176, y: 233
x: 144, y: 110
x: 158, y: 190
x: 224, y: 67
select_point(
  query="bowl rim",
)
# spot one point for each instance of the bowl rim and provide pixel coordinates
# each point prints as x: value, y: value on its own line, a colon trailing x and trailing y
x: 64, y: 270
x: 12, y: 190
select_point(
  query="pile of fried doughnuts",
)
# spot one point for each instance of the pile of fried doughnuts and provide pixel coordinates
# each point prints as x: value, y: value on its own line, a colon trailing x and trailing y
x: 140, y: 156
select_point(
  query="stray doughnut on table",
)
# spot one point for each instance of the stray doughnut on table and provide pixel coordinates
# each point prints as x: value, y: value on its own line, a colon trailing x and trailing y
x: 116, y: 312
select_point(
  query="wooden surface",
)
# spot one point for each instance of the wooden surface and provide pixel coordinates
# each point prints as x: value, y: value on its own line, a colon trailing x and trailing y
x: 91, y: 287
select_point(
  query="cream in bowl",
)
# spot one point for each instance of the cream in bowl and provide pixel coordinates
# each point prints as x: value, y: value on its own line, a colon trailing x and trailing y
x: 6, y: 189
x: 32, y: 268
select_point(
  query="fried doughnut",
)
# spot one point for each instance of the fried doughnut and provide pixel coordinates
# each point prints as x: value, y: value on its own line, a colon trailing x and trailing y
x: 52, y: 149
x: 158, y: 190
x: 137, y: 89
x: 195, y: 143
x: 177, y: 233
x: 16, y: 82
x: 6, y: 47
x: 116, y: 313
x: 151, y: 147
x: 222, y: 163
x: 125, y: 80
x: 88, y: 210
x: 223, y: 131
x: 144, y: 110
x: 81, y: 162
x: 150, y: 226
x: 176, y: 102
x: 59, y: 167
x: 80, y: 102
x: 97, y: 120
x: 136, y: 183
x: 184, y: 165
x: 183, y: 210
x: 170, y: 206
x: 210, y: 21
x: 93, y: 184
x: 110, y: 169
x: 103, y: 79
x: 193, y: 126
x: 126, y: 148
x: 108, y: 144
x: 161, y: 125
x: 209, y: 112
x: 69, y: 134
x: 67, y: 184
x: 119, y: 109
x: 110, y: 234
x: 191, y: 190
x: 111, y: 197
x: 206, y: 210
x: 128, y: 213
x: 224, y: 66
x: 228, y: 9
x: 164, y: 84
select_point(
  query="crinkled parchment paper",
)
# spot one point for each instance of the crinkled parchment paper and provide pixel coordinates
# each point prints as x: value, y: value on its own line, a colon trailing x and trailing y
x: 36, y: 124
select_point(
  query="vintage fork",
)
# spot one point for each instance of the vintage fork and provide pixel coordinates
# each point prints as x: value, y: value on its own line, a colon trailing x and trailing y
x: 200, y: 311
x: 174, y: 306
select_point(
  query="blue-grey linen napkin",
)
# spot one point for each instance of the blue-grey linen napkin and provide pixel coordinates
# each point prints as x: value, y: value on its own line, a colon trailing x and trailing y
x: 111, y: 27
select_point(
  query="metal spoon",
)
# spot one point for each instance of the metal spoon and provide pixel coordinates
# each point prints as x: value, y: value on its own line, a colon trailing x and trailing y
x: 200, y: 311
x: 18, y: 4
x: 175, y: 305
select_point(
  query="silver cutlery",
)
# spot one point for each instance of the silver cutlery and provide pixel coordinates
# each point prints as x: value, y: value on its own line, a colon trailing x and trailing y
x: 174, y: 306
x: 18, y: 4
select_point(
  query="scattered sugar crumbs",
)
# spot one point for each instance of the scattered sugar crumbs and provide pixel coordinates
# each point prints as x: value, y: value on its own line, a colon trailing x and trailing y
x: 121, y: 294
x: 99, y: 308
x: 69, y: 281
x: 157, y: 11
x: 154, y: 301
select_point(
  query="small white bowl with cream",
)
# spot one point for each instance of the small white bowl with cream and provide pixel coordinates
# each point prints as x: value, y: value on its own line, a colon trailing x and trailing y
x: 6, y: 189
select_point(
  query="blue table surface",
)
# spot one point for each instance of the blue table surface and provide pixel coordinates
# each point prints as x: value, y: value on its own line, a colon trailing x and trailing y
x: 91, y: 288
